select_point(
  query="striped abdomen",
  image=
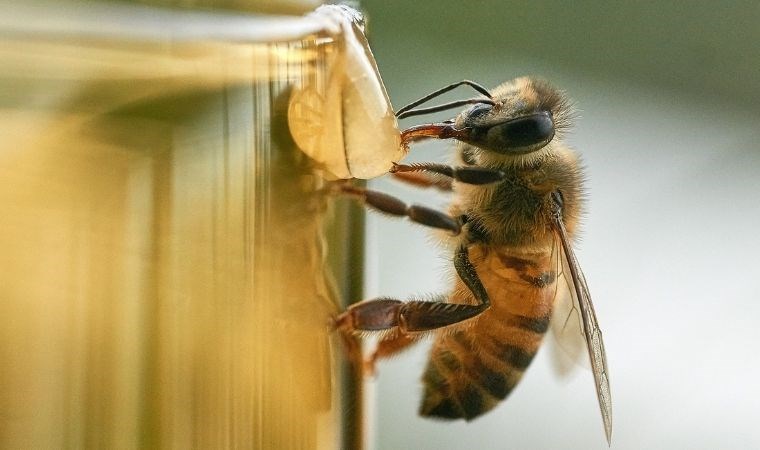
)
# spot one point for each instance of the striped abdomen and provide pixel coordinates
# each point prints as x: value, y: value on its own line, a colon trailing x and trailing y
x: 478, y: 364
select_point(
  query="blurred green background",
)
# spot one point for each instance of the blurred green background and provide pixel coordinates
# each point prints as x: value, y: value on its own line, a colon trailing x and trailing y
x: 699, y: 49
x: 668, y: 95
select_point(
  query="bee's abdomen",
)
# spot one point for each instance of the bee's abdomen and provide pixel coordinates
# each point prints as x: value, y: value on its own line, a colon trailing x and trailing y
x: 465, y: 377
x: 471, y: 369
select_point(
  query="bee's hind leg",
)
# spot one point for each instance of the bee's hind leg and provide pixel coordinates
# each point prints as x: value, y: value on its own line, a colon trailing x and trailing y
x: 404, y: 320
x: 386, y: 314
x: 387, y: 346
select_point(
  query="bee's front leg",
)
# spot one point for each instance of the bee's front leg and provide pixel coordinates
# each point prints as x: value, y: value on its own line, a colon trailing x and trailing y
x: 424, y: 180
x: 440, y: 176
x: 467, y: 174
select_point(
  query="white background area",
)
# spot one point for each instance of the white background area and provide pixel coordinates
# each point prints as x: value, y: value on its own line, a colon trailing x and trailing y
x: 670, y: 249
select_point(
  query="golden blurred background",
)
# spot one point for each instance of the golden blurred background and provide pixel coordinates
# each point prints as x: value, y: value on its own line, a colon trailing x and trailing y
x: 167, y: 256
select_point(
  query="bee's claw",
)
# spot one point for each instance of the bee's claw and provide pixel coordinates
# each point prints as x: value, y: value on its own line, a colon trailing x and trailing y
x: 369, y: 367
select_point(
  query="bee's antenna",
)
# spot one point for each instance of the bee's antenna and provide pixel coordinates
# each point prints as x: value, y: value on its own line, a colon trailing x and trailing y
x: 443, y: 90
x: 403, y: 113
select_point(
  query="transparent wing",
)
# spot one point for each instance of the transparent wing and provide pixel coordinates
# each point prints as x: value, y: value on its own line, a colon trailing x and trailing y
x: 568, y: 346
x: 582, y: 308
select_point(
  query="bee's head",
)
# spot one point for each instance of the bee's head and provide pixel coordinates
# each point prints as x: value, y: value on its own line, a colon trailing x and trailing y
x: 525, y: 117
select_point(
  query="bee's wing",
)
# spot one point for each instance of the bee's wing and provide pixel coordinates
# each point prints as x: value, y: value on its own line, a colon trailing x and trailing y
x: 569, y: 343
x: 583, y: 308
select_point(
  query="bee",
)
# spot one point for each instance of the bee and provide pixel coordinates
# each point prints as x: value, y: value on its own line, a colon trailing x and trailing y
x: 517, y: 199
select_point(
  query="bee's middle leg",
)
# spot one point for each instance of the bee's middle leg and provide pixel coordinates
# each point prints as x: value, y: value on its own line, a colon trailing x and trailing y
x: 408, y: 318
x: 391, y: 205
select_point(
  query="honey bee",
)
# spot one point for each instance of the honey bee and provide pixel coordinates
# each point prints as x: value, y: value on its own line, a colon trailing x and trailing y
x: 518, y: 195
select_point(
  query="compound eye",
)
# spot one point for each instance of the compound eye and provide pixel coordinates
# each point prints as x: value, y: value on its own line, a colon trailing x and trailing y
x: 477, y: 112
x: 524, y: 131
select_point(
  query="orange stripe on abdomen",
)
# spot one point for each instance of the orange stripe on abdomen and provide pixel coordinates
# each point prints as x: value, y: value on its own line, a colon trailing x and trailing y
x: 472, y: 368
